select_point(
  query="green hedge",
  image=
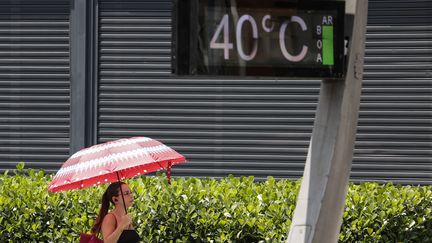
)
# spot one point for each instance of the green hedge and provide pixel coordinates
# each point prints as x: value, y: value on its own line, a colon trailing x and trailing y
x: 206, y: 210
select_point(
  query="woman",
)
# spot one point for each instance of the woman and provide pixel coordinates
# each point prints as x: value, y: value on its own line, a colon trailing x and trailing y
x: 116, y: 226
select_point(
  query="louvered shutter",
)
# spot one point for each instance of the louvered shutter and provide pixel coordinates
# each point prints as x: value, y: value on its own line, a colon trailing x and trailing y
x: 34, y: 83
x: 223, y: 126
x: 394, y: 139
x: 262, y: 127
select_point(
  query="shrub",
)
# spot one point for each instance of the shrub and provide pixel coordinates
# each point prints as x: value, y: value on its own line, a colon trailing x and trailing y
x: 387, y: 213
x: 207, y: 210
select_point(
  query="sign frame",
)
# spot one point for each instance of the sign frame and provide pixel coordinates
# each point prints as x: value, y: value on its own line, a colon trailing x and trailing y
x: 187, y: 59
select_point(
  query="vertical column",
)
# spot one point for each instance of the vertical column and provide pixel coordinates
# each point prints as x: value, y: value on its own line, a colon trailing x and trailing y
x: 82, y: 98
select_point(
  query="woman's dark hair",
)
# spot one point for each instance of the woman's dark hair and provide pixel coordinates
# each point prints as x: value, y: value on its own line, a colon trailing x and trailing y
x: 112, y: 190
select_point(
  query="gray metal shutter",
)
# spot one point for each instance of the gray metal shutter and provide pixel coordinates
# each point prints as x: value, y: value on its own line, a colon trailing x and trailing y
x: 34, y: 83
x: 262, y: 127
x: 394, y: 139
x: 240, y: 127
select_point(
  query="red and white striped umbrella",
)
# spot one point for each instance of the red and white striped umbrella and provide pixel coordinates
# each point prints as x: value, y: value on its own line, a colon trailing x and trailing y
x: 113, y: 161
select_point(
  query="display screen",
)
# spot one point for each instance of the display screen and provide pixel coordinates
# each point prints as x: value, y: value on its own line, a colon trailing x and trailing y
x: 260, y: 38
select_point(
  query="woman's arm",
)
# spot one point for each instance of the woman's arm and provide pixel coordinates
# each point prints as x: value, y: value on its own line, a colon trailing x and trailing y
x: 111, y: 229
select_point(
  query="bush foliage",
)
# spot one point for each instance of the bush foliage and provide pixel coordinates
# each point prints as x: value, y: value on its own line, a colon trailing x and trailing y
x: 208, y: 210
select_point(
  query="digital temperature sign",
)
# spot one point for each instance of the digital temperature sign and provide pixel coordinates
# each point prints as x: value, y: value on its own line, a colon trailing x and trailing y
x: 259, y: 38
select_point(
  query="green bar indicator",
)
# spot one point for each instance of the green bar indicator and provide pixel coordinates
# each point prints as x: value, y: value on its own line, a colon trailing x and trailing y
x: 327, y: 49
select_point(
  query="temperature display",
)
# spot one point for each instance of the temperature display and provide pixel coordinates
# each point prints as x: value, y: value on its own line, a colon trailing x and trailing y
x: 262, y: 38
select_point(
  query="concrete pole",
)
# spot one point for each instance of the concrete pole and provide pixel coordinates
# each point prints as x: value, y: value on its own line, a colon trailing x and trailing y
x: 320, y: 205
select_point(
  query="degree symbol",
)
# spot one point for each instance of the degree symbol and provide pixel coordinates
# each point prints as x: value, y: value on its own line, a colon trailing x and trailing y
x: 263, y: 23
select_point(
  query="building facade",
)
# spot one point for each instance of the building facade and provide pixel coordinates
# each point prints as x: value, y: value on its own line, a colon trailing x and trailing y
x: 76, y: 72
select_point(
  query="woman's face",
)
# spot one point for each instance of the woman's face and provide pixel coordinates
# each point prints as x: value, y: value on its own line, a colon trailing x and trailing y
x: 128, y: 197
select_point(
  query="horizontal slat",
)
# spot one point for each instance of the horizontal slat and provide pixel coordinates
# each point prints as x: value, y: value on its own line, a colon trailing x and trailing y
x: 208, y: 127
x: 37, y: 157
x: 392, y: 144
x: 119, y: 58
x: 35, y: 98
x: 226, y: 112
x: 36, y: 150
x: 395, y: 152
x: 218, y: 173
x: 34, y: 134
x: 146, y: 36
x: 239, y: 165
x: 32, y: 105
x: 206, y: 134
x: 405, y: 174
x: 35, y: 53
x: 251, y: 112
x: 220, y: 96
x: 228, y: 89
x: 38, y: 91
x: 233, y: 104
x: 399, y: 67
x: 392, y: 137
x: 395, y: 28
x: 36, y: 120
x: 135, y: 44
x: 399, y: 51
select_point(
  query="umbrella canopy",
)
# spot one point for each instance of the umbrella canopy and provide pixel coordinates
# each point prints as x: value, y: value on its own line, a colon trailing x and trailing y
x: 114, y: 161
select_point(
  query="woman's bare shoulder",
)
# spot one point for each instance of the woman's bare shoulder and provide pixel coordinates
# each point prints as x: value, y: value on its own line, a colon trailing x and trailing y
x: 109, y: 219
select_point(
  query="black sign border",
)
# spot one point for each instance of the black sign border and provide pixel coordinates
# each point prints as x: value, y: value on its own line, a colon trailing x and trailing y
x: 185, y: 37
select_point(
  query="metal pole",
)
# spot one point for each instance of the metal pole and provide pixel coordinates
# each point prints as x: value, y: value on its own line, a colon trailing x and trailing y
x: 321, y: 201
x: 121, y: 191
